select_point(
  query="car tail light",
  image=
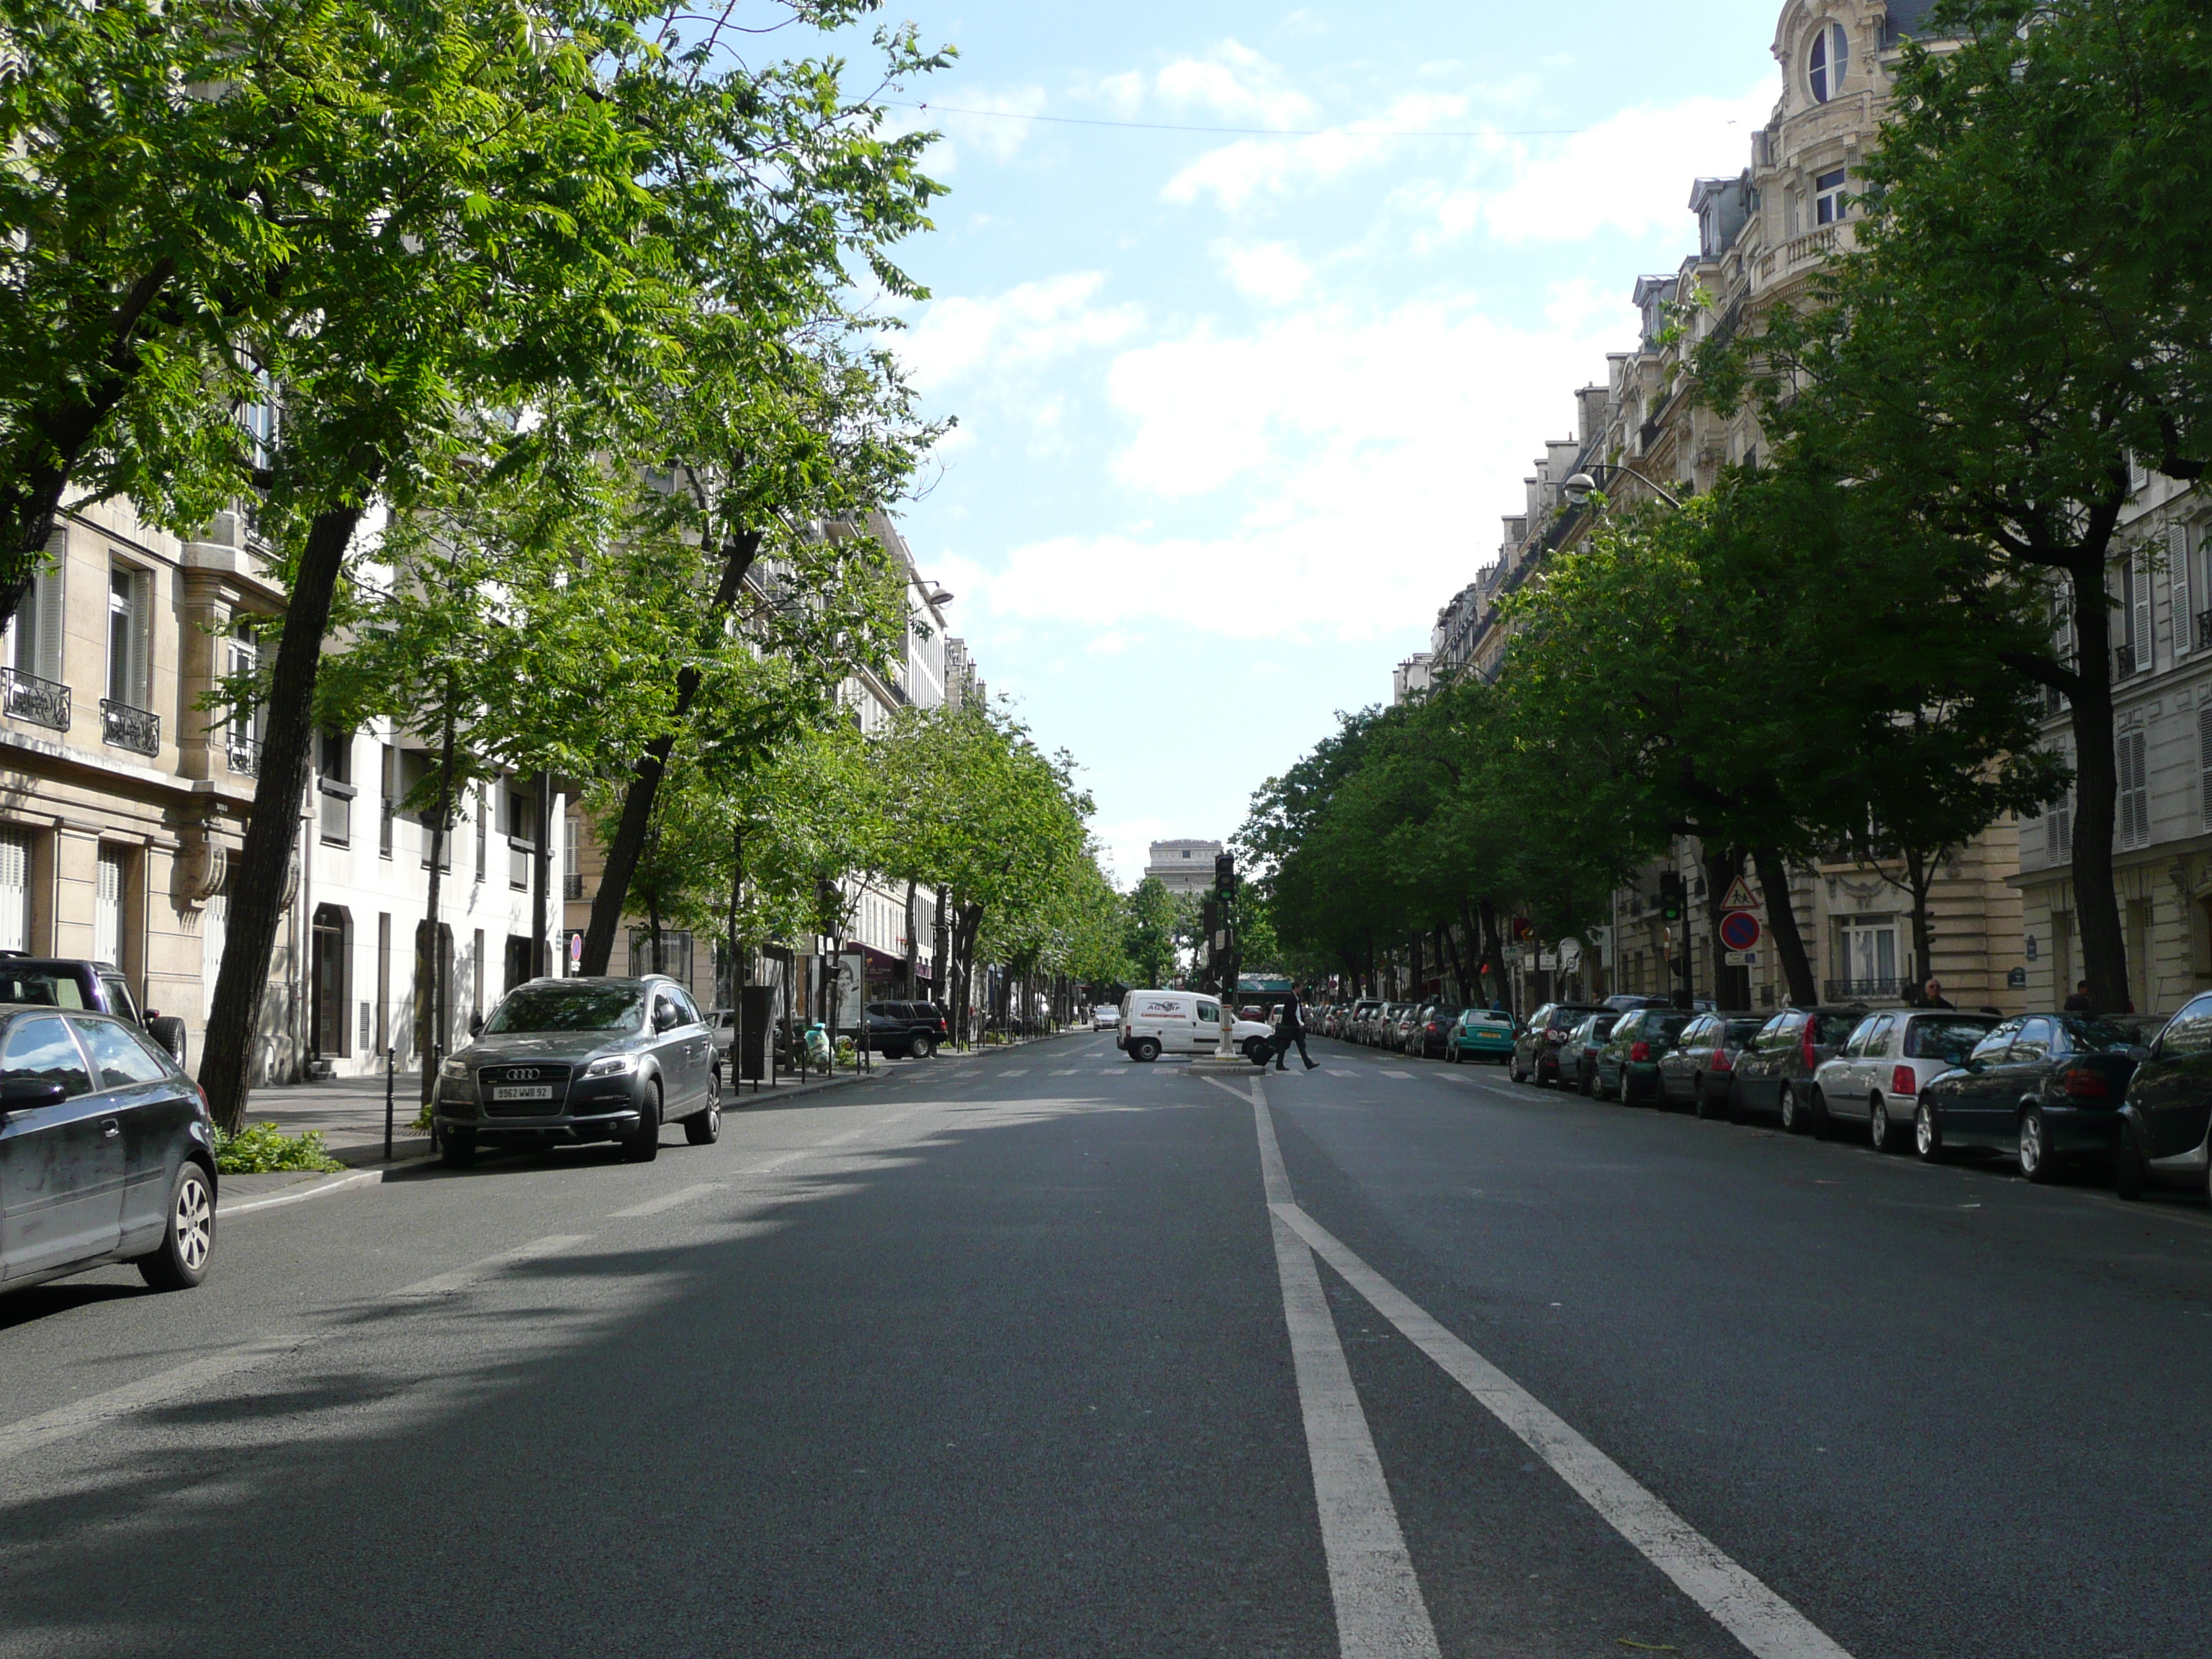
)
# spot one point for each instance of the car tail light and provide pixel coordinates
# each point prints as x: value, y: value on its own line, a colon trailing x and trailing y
x: 1904, y: 1080
x: 1812, y: 1060
x: 1721, y: 1062
x: 2084, y: 1085
x: 1639, y: 1050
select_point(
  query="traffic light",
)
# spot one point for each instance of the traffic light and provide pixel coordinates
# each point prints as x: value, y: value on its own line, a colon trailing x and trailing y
x: 1224, y: 876
x: 1670, y: 894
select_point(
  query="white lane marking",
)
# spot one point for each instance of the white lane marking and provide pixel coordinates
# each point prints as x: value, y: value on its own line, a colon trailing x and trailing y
x: 1380, y: 1613
x: 460, y: 1278
x: 1454, y: 1077
x: 668, y: 1200
x: 1333, y: 1072
x: 1065, y: 1071
x: 850, y: 1135
x: 190, y: 1380
x: 1765, y: 1623
x: 1015, y: 1071
x: 1398, y: 1074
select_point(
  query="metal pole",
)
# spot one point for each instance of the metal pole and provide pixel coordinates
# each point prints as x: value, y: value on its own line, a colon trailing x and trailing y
x: 387, y: 1102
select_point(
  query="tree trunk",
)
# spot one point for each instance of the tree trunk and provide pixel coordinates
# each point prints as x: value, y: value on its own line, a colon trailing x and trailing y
x: 2096, y: 785
x: 1458, y: 966
x: 1782, y: 920
x: 1493, y: 949
x: 913, y: 989
x: 638, y: 800
x: 738, y: 966
x: 439, y: 1025
x: 1731, y: 986
x: 1920, y: 871
x: 258, y: 877
x: 541, y: 873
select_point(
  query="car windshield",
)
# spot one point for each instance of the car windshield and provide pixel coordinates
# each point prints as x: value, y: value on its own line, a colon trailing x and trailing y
x: 40, y: 990
x: 2098, y: 1036
x: 1938, y: 1039
x: 569, y: 1008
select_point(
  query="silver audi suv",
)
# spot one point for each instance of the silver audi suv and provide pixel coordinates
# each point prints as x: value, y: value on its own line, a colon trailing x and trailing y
x: 573, y: 1059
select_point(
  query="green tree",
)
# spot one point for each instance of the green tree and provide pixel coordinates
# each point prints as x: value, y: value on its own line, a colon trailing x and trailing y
x: 1148, y: 934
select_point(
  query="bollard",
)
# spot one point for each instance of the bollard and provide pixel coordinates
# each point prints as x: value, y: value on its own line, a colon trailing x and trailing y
x: 388, y: 1052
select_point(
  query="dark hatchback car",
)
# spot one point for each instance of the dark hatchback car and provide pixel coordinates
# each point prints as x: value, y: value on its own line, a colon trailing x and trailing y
x: 1774, y: 1071
x: 576, y: 1060
x: 1578, y: 1053
x: 1627, y: 1065
x: 2167, y: 1117
x: 2046, y: 1088
x: 1696, y: 1071
x: 1536, y: 1050
x: 106, y: 1152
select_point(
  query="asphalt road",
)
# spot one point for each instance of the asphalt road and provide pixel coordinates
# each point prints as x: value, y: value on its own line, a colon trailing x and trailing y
x: 1046, y: 1352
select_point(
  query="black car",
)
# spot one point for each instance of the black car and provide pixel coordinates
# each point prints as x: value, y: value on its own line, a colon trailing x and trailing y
x: 1626, y: 1065
x: 897, y: 1028
x: 78, y: 982
x: 2044, y: 1087
x: 1536, y: 1050
x: 2166, y: 1114
x: 106, y: 1153
x: 1697, y: 1070
x: 1578, y: 1053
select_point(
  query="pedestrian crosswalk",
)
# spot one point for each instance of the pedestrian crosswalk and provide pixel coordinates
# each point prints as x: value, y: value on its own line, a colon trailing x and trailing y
x: 1397, y: 1075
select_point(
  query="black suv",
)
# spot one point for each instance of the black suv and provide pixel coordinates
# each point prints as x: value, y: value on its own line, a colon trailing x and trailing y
x: 900, y: 1029
x: 73, y: 982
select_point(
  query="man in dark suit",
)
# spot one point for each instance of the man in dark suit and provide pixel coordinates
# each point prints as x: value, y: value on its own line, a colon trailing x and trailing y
x: 1291, y: 1028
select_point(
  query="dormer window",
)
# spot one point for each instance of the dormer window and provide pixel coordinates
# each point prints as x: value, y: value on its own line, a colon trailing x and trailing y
x: 1830, y: 61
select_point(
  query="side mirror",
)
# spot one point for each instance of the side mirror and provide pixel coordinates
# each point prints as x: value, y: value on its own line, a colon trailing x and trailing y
x: 476, y: 1025
x: 663, y: 1017
x: 21, y: 1094
x: 2137, y: 1053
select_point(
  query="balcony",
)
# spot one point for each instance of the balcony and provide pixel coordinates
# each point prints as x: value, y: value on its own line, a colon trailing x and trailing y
x: 2204, y: 630
x: 1812, y: 244
x: 2124, y: 661
x: 42, y: 702
x: 135, y: 729
x: 572, y: 885
x: 242, y: 754
x: 1863, y: 990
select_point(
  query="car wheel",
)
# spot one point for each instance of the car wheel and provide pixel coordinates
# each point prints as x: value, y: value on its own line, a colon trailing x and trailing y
x: 1256, y: 1050
x: 2035, y: 1160
x: 1878, y: 1123
x: 1144, y: 1048
x: 1823, y: 1125
x: 457, y: 1148
x: 925, y: 1047
x: 1795, y: 1119
x: 2130, y: 1176
x: 1599, y: 1090
x: 643, y: 1145
x: 1584, y: 1083
x: 180, y: 1260
x: 704, y: 1128
x: 1701, y: 1099
x: 1927, y: 1132
x: 1513, y: 1069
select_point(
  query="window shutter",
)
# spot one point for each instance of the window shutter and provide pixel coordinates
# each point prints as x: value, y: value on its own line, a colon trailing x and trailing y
x: 141, y: 639
x: 2204, y: 758
x: 2184, y: 614
x: 2139, y: 625
x: 50, y: 625
x: 2130, y: 754
x: 2062, y: 830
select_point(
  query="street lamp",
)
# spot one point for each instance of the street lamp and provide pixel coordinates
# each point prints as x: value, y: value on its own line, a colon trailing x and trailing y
x: 1581, y: 486
x: 941, y: 598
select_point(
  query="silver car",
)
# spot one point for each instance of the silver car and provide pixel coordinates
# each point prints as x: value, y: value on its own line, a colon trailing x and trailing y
x: 575, y: 1060
x: 1876, y: 1080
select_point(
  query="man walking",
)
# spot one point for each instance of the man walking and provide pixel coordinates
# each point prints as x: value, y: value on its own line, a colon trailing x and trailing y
x: 1291, y: 1028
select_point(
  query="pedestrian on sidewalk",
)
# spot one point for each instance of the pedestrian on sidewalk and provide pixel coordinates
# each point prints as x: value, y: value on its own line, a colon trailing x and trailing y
x: 1291, y: 1029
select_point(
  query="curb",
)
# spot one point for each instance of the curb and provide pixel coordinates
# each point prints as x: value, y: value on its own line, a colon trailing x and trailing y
x: 301, y: 1194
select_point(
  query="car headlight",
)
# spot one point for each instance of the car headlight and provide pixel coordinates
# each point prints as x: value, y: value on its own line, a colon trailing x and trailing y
x: 612, y: 1066
x: 456, y: 1068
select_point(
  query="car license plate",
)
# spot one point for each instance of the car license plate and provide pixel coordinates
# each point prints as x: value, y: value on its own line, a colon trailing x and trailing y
x: 523, y: 1091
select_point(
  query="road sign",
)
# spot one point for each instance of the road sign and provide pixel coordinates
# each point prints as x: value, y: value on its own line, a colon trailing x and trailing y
x: 1741, y: 958
x: 1740, y: 930
x: 1740, y: 896
x: 575, y: 949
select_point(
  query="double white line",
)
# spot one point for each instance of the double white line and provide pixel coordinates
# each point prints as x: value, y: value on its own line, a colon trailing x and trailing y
x: 1380, y: 1612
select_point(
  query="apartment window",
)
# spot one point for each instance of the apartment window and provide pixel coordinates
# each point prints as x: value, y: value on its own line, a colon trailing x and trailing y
x: 519, y: 844
x: 107, y: 908
x: 571, y: 870
x: 242, y: 733
x: 483, y: 828
x: 1866, y: 956
x: 130, y: 636
x: 331, y: 974
x: 2204, y: 759
x: 35, y: 632
x: 15, y: 890
x: 2058, y: 831
x: 336, y: 787
x: 2138, y: 651
x: 2178, y: 587
x: 1828, y: 63
x: 2130, y: 754
x: 388, y: 788
x: 1828, y: 198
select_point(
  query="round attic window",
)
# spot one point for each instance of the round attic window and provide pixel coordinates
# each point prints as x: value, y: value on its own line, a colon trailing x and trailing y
x: 1829, y: 61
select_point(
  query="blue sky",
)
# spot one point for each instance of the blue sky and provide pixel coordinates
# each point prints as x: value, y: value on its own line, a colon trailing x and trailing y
x: 1237, y: 412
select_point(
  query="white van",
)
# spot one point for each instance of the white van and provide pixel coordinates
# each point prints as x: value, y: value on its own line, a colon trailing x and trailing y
x: 1156, y: 1023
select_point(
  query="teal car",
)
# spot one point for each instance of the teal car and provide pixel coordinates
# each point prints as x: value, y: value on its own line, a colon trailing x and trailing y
x: 1480, y: 1033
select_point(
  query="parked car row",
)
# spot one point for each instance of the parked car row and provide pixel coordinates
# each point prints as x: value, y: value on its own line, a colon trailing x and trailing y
x: 2124, y: 1093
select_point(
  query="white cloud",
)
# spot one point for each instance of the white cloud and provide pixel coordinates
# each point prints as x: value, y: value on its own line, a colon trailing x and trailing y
x: 1236, y: 174
x: 1236, y: 83
x: 1355, y: 466
x: 1022, y: 329
x: 1631, y: 173
x: 1269, y: 272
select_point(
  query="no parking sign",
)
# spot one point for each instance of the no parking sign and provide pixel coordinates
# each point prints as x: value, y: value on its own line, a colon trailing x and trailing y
x: 1740, y: 930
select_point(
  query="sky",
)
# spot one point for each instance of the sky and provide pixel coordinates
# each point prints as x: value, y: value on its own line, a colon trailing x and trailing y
x: 1237, y: 411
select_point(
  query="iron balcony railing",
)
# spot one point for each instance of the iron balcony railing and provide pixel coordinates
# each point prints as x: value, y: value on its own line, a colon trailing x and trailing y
x: 42, y: 702
x: 2204, y: 630
x: 2124, y: 661
x: 126, y: 727
x: 1858, y: 990
x: 572, y: 885
x: 243, y: 753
